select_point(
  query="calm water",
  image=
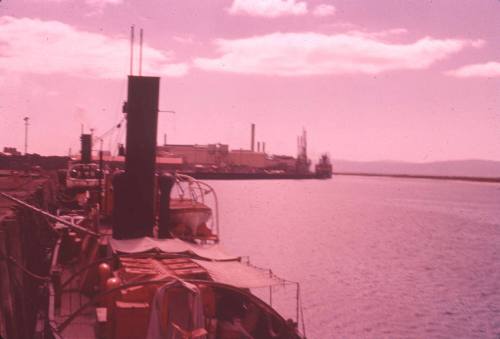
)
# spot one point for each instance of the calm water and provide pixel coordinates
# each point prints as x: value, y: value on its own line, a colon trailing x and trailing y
x: 376, y: 257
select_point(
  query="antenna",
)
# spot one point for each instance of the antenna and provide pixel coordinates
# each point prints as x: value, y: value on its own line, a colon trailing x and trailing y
x: 132, y: 50
x: 140, y: 52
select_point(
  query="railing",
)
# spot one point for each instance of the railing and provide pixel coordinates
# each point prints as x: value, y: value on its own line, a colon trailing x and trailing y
x: 198, y: 191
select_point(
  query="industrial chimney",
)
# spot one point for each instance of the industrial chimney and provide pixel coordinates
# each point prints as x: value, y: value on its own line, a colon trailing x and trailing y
x: 134, y: 189
x: 252, y: 142
x: 86, y: 148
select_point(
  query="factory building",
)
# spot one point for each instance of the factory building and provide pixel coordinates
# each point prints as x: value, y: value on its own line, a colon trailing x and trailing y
x: 248, y: 158
x: 218, y: 157
x: 205, y: 155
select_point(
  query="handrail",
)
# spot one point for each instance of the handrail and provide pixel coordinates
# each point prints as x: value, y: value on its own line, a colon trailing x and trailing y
x: 98, y: 297
x: 60, y: 327
x: 201, y: 185
x: 165, y: 279
x: 49, y: 215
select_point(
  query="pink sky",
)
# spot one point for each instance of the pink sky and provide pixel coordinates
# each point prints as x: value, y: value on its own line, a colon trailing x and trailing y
x: 369, y: 80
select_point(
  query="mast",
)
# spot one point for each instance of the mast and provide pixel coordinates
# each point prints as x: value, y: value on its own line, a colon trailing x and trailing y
x: 131, y: 50
x: 140, y: 52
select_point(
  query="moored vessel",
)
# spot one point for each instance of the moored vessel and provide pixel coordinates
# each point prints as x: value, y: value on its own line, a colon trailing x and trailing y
x: 323, y: 169
x: 143, y: 259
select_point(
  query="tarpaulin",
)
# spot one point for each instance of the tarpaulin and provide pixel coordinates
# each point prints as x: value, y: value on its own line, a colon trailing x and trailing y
x: 238, y: 274
x: 173, y: 246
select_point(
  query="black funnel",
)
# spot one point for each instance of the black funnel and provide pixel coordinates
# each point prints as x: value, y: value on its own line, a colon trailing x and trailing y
x: 134, y: 189
x: 86, y: 148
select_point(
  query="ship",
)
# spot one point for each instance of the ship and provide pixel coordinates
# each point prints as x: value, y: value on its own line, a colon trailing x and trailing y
x: 141, y: 255
x: 323, y: 168
x: 84, y: 174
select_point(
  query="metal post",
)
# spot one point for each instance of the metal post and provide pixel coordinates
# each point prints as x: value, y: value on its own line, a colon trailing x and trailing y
x: 101, y: 174
x: 132, y: 50
x: 140, y: 52
x: 270, y: 289
x: 26, y: 124
x: 297, y: 302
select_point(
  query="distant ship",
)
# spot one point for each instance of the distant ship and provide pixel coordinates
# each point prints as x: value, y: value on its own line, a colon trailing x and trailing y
x: 323, y: 168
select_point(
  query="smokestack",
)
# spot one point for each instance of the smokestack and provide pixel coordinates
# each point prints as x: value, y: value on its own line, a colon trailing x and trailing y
x: 252, y: 145
x: 258, y: 146
x: 263, y: 147
x: 86, y: 145
x: 134, y: 189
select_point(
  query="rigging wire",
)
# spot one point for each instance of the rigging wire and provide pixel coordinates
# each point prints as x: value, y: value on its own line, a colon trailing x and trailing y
x: 112, y: 129
x: 24, y: 269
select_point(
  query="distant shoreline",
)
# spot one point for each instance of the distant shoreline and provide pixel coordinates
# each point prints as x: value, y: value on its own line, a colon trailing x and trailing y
x: 416, y: 176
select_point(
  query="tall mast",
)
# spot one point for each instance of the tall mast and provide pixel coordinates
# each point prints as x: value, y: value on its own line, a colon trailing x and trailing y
x: 132, y: 50
x: 140, y: 52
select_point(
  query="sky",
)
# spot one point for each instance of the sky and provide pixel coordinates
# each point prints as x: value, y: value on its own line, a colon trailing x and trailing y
x: 411, y: 80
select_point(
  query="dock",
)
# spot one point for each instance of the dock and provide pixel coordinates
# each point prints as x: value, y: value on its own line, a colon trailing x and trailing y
x: 24, y: 255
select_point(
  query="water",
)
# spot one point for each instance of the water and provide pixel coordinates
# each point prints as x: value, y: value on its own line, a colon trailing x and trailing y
x: 375, y: 257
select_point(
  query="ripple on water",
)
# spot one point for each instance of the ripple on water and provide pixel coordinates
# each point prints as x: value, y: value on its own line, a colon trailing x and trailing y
x: 376, y: 257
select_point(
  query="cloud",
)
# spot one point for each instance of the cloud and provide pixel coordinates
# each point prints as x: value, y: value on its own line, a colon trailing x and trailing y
x: 103, y: 3
x: 324, y: 10
x: 302, y: 54
x: 93, y: 3
x: 268, y: 8
x: 52, y: 47
x: 98, y: 6
x: 184, y: 39
x: 379, y: 34
x: 486, y: 70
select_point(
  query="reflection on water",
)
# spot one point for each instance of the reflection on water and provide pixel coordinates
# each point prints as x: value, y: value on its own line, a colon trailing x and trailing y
x: 375, y: 257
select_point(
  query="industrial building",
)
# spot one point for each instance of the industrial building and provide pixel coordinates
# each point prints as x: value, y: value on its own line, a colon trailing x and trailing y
x: 219, y: 158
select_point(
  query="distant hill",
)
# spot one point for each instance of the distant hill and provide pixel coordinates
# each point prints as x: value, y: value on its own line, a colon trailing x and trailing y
x: 468, y: 168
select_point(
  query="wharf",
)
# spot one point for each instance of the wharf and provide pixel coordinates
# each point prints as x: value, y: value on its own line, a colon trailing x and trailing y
x: 250, y: 176
x: 21, y: 186
x: 24, y: 261
x: 415, y: 176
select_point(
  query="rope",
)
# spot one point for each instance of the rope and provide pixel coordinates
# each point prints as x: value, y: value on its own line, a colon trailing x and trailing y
x: 24, y: 269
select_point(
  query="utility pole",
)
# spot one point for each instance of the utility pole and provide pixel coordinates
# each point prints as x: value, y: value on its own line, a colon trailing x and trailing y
x: 26, y: 124
x: 101, y: 172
